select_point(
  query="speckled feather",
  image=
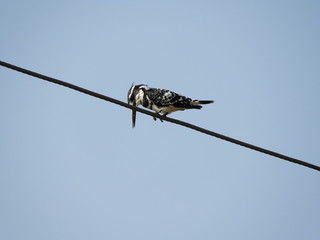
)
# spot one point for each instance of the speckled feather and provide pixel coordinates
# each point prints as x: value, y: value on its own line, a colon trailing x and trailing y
x: 166, y: 98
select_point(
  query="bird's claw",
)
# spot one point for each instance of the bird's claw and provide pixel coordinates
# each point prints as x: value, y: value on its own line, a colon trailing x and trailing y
x: 154, y: 118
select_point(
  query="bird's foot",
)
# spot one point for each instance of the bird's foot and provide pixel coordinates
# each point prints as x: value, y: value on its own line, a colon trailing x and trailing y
x: 154, y: 118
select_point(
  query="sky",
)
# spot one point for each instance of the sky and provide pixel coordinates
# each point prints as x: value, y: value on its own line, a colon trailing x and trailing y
x: 71, y: 166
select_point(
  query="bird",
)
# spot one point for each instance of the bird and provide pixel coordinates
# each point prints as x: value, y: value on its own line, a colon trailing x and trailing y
x: 160, y: 100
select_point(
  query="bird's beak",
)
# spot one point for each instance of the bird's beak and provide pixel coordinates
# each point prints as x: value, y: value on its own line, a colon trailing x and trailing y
x: 133, y: 118
x: 133, y: 114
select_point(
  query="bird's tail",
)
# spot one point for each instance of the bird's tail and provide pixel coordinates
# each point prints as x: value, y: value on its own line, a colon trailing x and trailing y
x: 197, y: 102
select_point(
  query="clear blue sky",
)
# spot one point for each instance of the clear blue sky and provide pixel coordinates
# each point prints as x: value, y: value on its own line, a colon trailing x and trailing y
x: 71, y: 167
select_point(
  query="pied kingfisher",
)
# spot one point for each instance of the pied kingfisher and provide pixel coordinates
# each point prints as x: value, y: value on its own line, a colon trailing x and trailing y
x: 160, y: 100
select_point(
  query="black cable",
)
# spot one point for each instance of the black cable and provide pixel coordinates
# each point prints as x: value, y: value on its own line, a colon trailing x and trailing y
x: 185, y: 124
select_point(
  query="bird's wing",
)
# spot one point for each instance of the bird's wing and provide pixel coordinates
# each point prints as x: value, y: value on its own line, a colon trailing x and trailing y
x: 164, y: 98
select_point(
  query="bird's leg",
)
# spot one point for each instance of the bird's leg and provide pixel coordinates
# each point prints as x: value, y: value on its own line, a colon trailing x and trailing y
x: 164, y: 115
x: 154, y: 118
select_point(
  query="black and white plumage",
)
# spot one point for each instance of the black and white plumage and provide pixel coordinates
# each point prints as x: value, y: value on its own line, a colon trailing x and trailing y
x: 160, y: 100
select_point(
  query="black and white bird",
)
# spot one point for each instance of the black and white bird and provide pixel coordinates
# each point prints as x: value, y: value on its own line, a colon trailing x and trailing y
x: 160, y: 100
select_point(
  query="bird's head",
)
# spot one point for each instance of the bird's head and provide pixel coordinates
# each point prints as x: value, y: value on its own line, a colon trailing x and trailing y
x: 135, y: 98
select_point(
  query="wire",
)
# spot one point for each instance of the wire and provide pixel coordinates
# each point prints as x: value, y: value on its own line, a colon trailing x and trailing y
x: 172, y: 120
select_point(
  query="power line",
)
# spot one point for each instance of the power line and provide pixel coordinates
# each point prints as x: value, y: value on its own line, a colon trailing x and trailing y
x: 172, y: 120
